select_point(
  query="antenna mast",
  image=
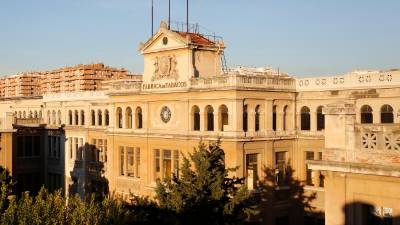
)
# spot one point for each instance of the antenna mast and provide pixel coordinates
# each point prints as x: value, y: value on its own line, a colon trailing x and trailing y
x: 152, y: 18
x: 187, y: 16
x: 169, y: 14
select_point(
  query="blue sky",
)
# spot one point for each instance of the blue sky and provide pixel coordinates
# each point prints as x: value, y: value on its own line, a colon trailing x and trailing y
x: 308, y: 37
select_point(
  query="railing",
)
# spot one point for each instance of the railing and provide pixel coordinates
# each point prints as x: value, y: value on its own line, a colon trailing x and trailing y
x: 28, y: 121
x: 378, y: 137
x: 377, y: 144
x: 196, y: 29
x: 124, y: 85
x: 244, y: 81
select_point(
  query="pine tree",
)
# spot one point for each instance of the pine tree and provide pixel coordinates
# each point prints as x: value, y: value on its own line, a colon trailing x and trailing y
x: 204, y: 194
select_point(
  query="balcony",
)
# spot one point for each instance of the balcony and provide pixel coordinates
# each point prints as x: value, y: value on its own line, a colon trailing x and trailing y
x: 231, y: 80
x: 28, y: 122
x: 373, y: 144
x: 245, y: 82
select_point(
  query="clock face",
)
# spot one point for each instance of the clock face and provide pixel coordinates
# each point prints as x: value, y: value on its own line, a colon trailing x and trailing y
x: 165, y: 114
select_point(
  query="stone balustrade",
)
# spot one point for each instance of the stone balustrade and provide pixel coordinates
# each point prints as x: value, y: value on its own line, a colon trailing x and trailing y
x: 236, y: 81
x: 377, y: 144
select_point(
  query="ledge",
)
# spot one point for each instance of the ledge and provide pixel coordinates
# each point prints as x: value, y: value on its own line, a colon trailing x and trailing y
x: 351, y: 167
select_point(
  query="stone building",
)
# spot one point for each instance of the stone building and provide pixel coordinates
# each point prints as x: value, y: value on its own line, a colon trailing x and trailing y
x: 339, y: 134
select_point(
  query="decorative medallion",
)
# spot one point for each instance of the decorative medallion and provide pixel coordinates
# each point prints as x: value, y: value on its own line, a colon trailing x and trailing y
x: 165, y: 114
x: 165, y: 67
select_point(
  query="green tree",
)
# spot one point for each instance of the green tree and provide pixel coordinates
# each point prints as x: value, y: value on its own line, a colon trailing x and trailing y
x: 204, y: 194
x: 6, y: 188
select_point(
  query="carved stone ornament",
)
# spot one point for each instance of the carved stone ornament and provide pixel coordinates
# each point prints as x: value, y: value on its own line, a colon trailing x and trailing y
x: 165, y: 114
x: 165, y: 68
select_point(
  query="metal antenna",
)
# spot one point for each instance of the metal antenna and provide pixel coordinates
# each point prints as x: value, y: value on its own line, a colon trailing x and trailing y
x: 169, y: 14
x: 152, y: 18
x: 187, y: 16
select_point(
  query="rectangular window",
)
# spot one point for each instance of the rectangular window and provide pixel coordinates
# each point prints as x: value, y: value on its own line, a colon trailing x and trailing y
x: 54, y: 146
x: 309, y: 181
x: 137, y: 163
x: 121, y: 161
x: 157, y: 162
x: 20, y: 146
x: 71, y: 147
x: 80, y: 149
x: 252, y: 170
x: 321, y: 176
x: 167, y: 163
x: 104, y: 151
x: 76, y: 148
x: 176, y: 163
x: 49, y: 146
x: 101, y: 149
x: 280, y: 163
x: 36, y: 146
x: 131, y: 159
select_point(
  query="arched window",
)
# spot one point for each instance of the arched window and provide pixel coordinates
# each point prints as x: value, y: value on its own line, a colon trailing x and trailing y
x: 82, y: 117
x: 107, y: 118
x: 24, y: 115
x: 320, y: 119
x: 223, y: 118
x: 35, y: 114
x: 139, y: 118
x: 196, y: 117
x: 305, y: 118
x: 19, y: 115
x: 48, y: 117
x: 128, y: 118
x: 76, y: 115
x: 93, y: 117
x: 119, y: 117
x: 245, y: 118
x: 366, y: 114
x: 40, y: 114
x: 69, y: 117
x: 210, y: 118
x: 30, y: 115
x: 59, y: 117
x: 285, y: 112
x: 274, y: 118
x: 386, y: 114
x: 257, y: 118
x: 100, y: 117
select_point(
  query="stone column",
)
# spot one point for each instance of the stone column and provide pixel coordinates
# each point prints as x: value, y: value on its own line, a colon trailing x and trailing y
x: 96, y: 118
x: 236, y: 117
x: 313, y: 121
x: 251, y: 119
x: 268, y: 110
x: 376, y: 116
x: 335, y: 202
x: 216, y: 121
x: 279, y: 119
x: 297, y: 123
x: 315, y: 177
x: 203, y: 120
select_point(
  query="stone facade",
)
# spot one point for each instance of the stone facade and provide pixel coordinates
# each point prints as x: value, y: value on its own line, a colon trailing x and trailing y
x: 134, y: 130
